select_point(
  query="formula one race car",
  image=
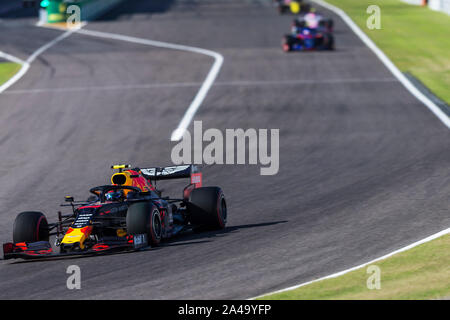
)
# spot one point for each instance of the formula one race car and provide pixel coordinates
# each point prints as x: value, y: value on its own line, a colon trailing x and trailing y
x: 293, y: 6
x: 129, y: 214
x: 309, y: 32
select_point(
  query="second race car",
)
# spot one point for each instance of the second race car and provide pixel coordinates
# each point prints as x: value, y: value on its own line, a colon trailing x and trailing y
x: 309, y: 32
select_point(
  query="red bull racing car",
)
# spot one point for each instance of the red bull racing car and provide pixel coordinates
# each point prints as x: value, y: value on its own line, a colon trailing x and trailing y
x: 128, y: 214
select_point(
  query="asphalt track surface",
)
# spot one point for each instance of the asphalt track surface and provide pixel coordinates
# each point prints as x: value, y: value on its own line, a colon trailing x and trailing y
x: 364, y: 167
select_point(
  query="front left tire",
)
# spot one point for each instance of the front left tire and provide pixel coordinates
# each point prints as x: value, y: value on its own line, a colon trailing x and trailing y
x: 145, y: 218
x: 30, y: 226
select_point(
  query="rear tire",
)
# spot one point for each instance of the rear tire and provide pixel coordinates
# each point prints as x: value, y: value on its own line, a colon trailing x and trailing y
x: 330, y: 44
x: 286, y: 44
x: 30, y: 226
x: 207, y: 208
x: 330, y: 25
x: 144, y: 218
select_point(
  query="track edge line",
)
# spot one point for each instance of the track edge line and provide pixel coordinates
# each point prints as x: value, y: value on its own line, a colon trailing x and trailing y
x: 388, y: 63
x: 16, y: 77
x: 337, y: 274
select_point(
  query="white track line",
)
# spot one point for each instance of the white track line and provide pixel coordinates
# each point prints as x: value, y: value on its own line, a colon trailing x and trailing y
x: 334, y: 275
x: 388, y: 63
x: 239, y: 83
x: 177, y: 134
x: 26, y: 64
x: 47, y: 46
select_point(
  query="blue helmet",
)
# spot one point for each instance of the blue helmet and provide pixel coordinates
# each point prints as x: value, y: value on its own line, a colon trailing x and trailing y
x: 115, y: 195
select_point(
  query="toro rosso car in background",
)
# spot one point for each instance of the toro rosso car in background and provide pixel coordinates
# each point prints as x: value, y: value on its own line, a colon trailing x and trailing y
x: 309, y: 32
x: 293, y: 6
x: 128, y: 214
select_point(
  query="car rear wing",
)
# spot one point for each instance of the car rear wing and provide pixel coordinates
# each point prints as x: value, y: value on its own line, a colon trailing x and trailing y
x: 173, y: 172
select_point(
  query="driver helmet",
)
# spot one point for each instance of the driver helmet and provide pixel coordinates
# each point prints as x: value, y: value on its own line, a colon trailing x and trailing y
x: 115, y: 195
x: 312, y: 20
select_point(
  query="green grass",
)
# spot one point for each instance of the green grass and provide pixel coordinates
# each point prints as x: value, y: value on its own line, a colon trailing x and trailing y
x: 7, y: 70
x: 420, y: 273
x: 415, y: 38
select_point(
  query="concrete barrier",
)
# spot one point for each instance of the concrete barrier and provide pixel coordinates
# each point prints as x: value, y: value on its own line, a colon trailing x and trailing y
x: 437, y: 5
x: 414, y: 2
x: 90, y: 9
x: 440, y: 5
